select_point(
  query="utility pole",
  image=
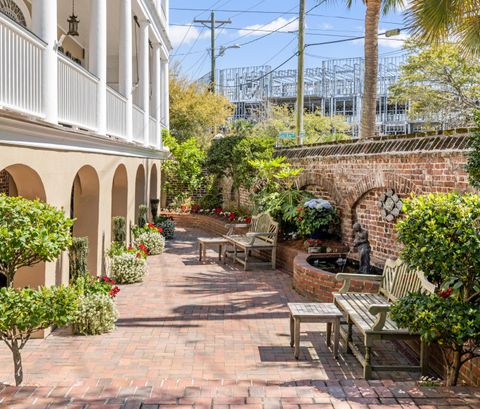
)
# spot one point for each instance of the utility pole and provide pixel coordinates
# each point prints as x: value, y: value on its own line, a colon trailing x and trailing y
x: 213, y: 24
x: 300, y: 73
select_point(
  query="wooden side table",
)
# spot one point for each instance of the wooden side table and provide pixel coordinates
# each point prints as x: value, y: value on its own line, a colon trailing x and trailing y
x: 211, y: 241
x: 314, y: 312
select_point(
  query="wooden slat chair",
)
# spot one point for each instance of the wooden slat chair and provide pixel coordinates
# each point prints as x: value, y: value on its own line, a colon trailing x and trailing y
x: 369, y: 312
x: 262, y: 235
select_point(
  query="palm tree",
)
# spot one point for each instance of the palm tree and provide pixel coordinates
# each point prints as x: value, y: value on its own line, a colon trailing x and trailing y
x: 434, y: 21
x: 369, y: 102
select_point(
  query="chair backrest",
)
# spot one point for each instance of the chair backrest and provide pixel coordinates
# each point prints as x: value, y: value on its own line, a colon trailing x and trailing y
x: 398, y: 280
x: 263, y: 222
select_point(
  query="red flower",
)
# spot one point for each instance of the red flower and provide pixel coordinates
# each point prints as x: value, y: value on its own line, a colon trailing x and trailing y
x: 106, y: 279
x: 151, y: 225
x: 114, y: 291
x: 248, y: 219
x: 159, y: 229
x: 446, y: 293
x: 130, y: 248
x: 139, y: 255
x: 299, y: 218
x: 232, y: 217
x: 299, y: 209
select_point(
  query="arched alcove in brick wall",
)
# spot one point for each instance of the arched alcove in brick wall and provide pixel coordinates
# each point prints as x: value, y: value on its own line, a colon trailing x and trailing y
x: 362, y: 207
x: 319, y: 186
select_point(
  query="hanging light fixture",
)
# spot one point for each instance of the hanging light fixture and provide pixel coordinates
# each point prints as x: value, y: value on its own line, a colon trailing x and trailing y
x: 73, y: 22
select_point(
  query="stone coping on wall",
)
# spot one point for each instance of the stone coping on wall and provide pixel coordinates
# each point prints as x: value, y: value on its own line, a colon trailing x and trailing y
x: 379, y: 146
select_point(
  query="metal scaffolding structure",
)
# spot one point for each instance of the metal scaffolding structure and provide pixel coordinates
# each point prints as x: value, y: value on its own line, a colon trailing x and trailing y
x: 334, y: 87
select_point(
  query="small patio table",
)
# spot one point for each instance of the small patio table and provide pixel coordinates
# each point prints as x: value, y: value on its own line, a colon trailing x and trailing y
x: 314, y: 312
x: 212, y: 241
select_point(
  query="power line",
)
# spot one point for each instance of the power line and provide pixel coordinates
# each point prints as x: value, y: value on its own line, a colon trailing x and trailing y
x: 289, y: 12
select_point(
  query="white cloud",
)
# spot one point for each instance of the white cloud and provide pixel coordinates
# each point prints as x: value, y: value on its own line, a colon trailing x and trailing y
x: 290, y: 25
x: 326, y: 26
x: 187, y: 34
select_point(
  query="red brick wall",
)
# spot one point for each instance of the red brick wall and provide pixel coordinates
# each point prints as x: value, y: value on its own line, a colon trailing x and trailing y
x: 354, y: 184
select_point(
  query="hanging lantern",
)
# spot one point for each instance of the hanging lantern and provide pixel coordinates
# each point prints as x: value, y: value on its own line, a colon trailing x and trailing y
x: 73, y: 22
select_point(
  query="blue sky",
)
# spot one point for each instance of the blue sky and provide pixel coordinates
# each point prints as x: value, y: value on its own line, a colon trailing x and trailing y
x: 329, y: 21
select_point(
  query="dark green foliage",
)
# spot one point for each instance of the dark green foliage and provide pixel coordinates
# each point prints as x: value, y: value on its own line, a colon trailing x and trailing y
x: 454, y: 324
x: 167, y: 225
x: 440, y: 234
x: 78, y: 257
x: 25, y: 311
x: 142, y: 215
x: 473, y: 164
x: 119, y: 229
x: 30, y: 232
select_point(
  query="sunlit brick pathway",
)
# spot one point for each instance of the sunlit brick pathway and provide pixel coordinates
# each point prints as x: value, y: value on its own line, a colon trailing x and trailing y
x: 202, y: 335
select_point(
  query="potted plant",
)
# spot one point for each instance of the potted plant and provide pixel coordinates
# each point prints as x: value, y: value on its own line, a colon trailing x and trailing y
x: 317, y: 219
x: 313, y: 246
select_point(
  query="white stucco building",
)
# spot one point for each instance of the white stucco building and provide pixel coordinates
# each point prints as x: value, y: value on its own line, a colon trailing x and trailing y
x: 83, y: 101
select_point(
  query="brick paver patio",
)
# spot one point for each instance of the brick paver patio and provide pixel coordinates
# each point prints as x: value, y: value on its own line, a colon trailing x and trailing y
x: 208, y: 336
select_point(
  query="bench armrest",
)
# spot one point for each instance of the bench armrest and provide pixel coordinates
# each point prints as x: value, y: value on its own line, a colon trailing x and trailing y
x: 346, y: 278
x: 253, y: 235
x: 380, y: 310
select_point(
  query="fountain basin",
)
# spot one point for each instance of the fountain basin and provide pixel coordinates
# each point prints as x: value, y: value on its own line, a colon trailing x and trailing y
x: 317, y: 283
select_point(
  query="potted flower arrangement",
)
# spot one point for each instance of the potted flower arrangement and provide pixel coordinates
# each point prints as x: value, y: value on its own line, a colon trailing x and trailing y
x: 313, y: 245
x: 151, y: 237
x: 129, y: 266
x: 317, y: 219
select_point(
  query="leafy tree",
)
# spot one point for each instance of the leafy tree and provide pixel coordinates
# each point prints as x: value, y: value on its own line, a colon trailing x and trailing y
x: 437, y: 21
x: 369, y: 103
x: 440, y: 234
x: 318, y: 128
x: 186, y: 165
x: 275, y: 191
x: 440, y: 83
x: 240, y: 127
x: 30, y: 232
x: 231, y: 156
x: 195, y: 112
x: 22, y: 312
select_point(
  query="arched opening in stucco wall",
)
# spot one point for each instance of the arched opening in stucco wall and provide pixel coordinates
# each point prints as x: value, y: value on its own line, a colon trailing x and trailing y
x: 154, y: 182
x: 139, y: 190
x: 21, y: 180
x: 84, y: 207
x: 119, y: 194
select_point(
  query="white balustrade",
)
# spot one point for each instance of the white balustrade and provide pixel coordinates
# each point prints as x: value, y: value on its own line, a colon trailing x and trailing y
x: 137, y: 124
x: 152, y: 131
x: 20, y: 68
x: 116, y: 113
x: 77, y: 90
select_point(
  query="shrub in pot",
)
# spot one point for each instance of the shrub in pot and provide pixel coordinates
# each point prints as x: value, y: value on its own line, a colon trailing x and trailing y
x: 317, y: 219
x: 151, y: 237
x: 440, y: 234
x: 167, y: 225
x: 77, y: 257
x: 129, y: 267
x: 96, y: 313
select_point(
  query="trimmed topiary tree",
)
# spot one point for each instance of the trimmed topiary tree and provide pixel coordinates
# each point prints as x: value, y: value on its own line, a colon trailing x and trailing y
x: 25, y: 311
x: 30, y: 232
x: 142, y: 215
x: 441, y: 237
x: 119, y: 229
x: 77, y: 257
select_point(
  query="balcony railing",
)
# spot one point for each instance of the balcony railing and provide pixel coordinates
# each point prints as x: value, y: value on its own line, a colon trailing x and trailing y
x: 20, y: 68
x: 152, y: 131
x: 116, y: 113
x: 21, y: 88
x: 138, y: 128
x: 77, y: 95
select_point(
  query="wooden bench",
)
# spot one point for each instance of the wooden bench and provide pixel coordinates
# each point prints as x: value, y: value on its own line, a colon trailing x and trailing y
x: 262, y: 235
x: 369, y: 312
